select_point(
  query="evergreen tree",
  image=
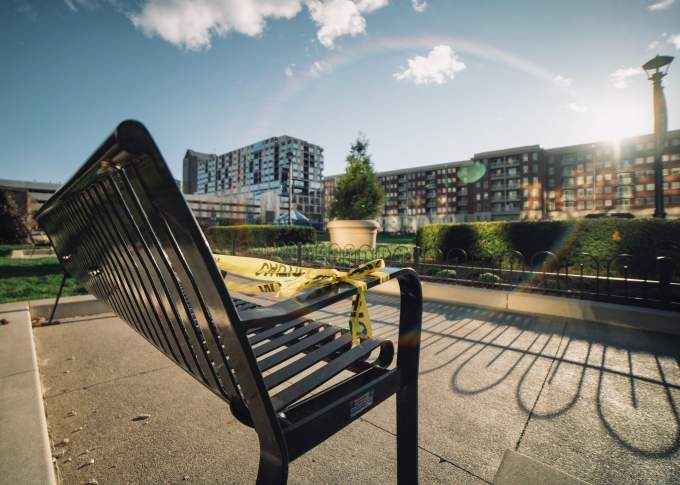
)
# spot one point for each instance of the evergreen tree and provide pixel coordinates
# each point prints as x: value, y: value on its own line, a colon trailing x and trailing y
x: 358, y: 194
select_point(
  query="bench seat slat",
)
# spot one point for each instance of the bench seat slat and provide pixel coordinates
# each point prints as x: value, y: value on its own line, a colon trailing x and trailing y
x: 274, y: 331
x: 307, y: 361
x: 285, y: 339
x: 312, y: 381
x: 301, y: 346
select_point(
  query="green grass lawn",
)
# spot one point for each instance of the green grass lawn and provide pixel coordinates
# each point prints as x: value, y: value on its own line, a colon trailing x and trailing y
x: 383, y: 238
x: 31, y: 279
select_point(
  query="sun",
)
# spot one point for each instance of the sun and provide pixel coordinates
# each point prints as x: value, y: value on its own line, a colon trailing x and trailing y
x: 620, y: 117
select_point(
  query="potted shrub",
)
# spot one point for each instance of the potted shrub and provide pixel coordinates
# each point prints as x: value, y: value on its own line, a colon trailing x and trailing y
x: 357, y: 200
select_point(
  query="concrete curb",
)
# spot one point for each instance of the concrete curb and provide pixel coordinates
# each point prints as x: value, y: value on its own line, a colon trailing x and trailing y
x: 32, y: 254
x: 25, y: 453
x: 70, y: 306
x: 640, y: 318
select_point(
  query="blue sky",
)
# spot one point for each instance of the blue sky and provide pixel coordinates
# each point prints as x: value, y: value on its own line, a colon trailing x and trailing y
x: 427, y: 82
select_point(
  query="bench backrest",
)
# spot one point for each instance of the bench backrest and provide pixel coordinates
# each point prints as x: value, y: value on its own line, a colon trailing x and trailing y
x: 121, y: 227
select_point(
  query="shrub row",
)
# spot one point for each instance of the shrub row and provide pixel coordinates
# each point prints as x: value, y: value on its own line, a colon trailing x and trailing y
x: 251, y: 235
x: 643, y: 239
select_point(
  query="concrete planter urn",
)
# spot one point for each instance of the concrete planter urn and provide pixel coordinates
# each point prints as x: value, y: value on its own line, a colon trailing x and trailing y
x: 354, y: 234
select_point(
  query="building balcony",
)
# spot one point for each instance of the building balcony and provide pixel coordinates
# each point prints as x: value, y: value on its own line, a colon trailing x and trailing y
x: 505, y: 208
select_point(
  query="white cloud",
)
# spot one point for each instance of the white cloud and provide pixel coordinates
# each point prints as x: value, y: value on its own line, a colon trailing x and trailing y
x: 419, y: 5
x: 368, y: 6
x: 660, y: 5
x: 439, y: 67
x: 561, y: 81
x: 675, y: 40
x: 619, y: 78
x: 660, y: 41
x: 288, y: 71
x: 336, y: 18
x: 318, y: 68
x: 577, y: 108
x: 192, y: 23
x: 75, y: 5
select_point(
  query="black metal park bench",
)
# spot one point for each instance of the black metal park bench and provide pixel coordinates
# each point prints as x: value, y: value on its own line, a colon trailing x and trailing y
x: 121, y: 227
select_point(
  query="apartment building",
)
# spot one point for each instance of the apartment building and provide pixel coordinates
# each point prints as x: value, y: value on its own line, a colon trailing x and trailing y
x: 510, y: 187
x: 611, y: 177
x: 531, y: 183
x: 192, y: 159
x: 414, y: 196
x: 261, y: 169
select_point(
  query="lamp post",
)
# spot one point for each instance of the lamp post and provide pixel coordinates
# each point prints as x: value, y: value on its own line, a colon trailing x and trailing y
x: 656, y: 70
x: 289, y: 157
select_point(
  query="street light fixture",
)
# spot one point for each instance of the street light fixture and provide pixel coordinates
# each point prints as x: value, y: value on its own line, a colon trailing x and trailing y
x: 657, y: 69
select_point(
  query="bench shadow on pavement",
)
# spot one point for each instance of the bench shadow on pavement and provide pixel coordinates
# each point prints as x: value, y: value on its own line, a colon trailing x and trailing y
x: 604, y: 364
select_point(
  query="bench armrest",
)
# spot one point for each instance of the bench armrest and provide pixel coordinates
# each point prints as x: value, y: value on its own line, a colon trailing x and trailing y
x: 313, y: 299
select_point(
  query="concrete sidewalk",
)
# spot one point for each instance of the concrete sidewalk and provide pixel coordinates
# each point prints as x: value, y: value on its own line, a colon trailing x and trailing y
x: 597, y: 402
x: 24, y: 444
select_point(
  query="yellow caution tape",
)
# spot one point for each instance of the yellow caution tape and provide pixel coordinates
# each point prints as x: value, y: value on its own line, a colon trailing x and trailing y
x: 286, y: 280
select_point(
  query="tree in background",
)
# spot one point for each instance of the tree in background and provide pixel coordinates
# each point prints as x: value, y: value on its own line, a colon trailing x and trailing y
x: 358, y: 194
x: 12, y: 224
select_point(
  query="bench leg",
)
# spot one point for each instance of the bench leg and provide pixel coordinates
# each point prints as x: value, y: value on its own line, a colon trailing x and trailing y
x: 273, y: 469
x: 407, y: 435
x: 56, y: 301
x: 408, y: 355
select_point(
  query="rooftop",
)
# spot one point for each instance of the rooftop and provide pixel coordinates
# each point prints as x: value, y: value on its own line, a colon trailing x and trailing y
x: 507, y: 151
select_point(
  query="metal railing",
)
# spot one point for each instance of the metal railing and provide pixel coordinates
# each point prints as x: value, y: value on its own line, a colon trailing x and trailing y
x: 616, y: 280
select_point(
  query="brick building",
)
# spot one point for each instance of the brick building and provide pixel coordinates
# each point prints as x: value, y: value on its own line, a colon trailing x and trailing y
x: 531, y: 183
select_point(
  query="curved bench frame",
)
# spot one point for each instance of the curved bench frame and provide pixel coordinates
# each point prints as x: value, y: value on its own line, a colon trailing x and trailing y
x: 121, y: 227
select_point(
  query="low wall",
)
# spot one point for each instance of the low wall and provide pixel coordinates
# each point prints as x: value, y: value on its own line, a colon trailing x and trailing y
x: 649, y: 319
x: 69, y: 306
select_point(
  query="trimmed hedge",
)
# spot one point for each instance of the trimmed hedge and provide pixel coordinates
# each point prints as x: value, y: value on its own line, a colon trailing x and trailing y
x: 251, y: 235
x: 644, y: 239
